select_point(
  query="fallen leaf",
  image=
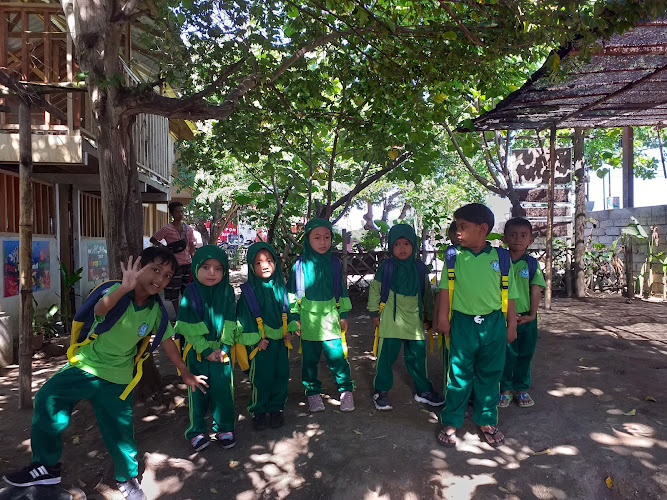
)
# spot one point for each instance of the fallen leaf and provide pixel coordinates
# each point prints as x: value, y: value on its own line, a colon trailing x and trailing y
x: 213, y: 490
x: 89, y: 428
x: 631, y: 413
x: 233, y: 464
x: 426, y: 411
x: 543, y: 452
x: 609, y: 482
x: 356, y: 431
x: 651, y: 398
x: 504, y: 490
x: 380, y: 437
x: 81, y: 483
x: 581, y: 359
x: 76, y: 439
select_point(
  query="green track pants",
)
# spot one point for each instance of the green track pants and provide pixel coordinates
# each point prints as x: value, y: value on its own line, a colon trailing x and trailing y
x: 219, y: 396
x: 414, y: 354
x: 476, y: 361
x: 269, y: 376
x: 335, y: 357
x: 54, y: 403
x: 518, y: 357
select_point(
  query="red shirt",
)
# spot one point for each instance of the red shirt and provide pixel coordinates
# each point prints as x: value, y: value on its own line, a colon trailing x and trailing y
x: 170, y: 234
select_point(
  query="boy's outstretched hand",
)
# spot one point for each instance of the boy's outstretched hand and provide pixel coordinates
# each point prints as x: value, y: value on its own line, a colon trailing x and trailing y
x: 131, y: 273
x: 194, y: 382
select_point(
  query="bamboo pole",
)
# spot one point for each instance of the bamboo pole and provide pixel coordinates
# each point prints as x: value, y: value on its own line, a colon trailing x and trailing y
x: 579, y: 214
x: 25, y: 255
x: 550, y: 218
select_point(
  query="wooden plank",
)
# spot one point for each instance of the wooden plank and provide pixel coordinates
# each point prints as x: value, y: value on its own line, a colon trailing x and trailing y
x: 70, y: 77
x: 13, y: 223
x: 3, y: 53
x: 3, y: 202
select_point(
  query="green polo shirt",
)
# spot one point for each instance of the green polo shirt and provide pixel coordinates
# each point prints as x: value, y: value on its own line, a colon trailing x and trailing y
x: 521, y: 277
x: 111, y: 355
x: 477, y: 282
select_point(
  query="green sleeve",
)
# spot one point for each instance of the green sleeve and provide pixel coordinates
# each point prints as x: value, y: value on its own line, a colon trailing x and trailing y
x: 291, y: 296
x: 344, y: 304
x: 428, y: 301
x: 512, y: 292
x: 246, y: 321
x: 195, y: 334
x: 373, y: 305
x: 538, y: 279
x: 228, y: 332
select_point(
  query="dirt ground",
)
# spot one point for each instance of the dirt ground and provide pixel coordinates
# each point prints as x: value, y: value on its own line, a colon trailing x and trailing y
x: 601, y: 412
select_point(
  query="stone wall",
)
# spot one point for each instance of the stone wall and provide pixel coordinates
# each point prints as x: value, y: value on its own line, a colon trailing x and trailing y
x: 605, y: 226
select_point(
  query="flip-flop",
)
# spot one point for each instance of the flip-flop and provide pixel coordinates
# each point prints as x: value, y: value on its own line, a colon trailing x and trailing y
x: 504, y: 400
x: 524, y: 400
x: 447, y: 440
x: 492, y: 435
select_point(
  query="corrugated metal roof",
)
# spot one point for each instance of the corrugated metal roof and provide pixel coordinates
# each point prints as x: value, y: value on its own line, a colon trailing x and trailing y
x: 623, y: 84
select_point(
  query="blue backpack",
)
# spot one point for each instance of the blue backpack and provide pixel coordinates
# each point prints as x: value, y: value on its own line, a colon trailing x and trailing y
x: 85, y: 317
x: 337, y: 279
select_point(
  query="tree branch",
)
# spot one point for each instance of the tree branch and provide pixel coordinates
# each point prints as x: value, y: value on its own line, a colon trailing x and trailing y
x: 465, y: 30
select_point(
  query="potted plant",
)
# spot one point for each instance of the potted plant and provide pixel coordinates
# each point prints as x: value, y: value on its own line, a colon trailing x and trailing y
x: 44, y: 325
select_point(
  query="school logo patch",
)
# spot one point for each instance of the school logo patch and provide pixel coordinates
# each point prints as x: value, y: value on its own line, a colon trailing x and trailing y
x: 496, y: 266
x: 524, y: 272
x: 143, y: 330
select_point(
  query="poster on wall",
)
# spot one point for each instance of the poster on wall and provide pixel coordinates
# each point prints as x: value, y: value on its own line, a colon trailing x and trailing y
x: 41, y: 266
x: 98, y: 266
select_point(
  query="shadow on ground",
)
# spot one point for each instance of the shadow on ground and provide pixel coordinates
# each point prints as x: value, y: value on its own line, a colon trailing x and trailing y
x: 599, y: 366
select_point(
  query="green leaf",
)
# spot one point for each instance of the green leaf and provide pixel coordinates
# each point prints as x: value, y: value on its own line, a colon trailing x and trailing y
x: 449, y: 35
x: 254, y: 187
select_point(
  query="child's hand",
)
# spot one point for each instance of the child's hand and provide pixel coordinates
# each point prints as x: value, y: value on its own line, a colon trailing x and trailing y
x: 298, y: 332
x: 376, y: 322
x: 343, y: 325
x: 263, y: 344
x: 131, y: 273
x: 511, y: 335
x: 216, y: 356
x: 520, y: 320
x: 288, y: 337
x: 445, y: 328
x: 194, y: 382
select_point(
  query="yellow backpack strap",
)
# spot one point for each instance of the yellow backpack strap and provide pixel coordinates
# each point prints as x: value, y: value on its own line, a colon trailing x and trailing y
x: 450, y: 287
x: 504, y: 294
x: 240, y: 356
x: 142, y: 355
x: 430, y: 340
x: 343, y: 343
x: 260, y: 327
x: 71, y: 351
x: 377, y: 332
x: 288, y: 344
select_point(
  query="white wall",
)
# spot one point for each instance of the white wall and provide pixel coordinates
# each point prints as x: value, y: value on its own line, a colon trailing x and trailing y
x: 45, y: 298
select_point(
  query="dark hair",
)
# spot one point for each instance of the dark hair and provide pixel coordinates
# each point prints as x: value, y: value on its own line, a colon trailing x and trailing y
x: 452, y: 227
x: 477, y: 214
x: 519, y: 222
x: 161, y: 255
x: 173, y: 205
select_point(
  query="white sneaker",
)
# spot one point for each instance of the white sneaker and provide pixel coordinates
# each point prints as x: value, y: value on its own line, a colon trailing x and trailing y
x: 315, y: 403
x: 346, y: 401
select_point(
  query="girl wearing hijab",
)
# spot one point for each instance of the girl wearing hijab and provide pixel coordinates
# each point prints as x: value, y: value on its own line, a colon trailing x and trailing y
x: 400, y: 322
x: 264, y: 323
x: 321, y: 315
x: 207, y: 321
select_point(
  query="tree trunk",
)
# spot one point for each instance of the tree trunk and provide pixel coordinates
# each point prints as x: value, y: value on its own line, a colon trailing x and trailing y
x: 579, y: 214
x: 369, y: 225
x: 25, y: 256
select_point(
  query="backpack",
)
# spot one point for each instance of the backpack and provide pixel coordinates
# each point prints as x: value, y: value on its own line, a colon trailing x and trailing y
x: 337, y: 271
x: 385, y: 288
x: 504, y: 262
x: 532, y: 267
x: 85, y: 317
x: 238, y: 352
x: 255, y: 310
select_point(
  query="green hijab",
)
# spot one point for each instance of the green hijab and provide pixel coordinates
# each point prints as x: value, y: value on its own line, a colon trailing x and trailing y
x: 214, y: 299
x: 317, y: 271
x: 405, y: 275
x: 270, y: 292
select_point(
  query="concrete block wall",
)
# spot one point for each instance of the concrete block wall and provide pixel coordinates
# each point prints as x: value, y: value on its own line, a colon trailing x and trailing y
x: 605, y: 226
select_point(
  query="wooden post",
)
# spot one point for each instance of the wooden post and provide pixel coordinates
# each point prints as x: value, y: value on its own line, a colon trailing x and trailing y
x: 550, y: 219
x: 344, y: 259
x: 579, y: 214
x: 629, y: 275
x: 628, y: 137
x: 25, y: 255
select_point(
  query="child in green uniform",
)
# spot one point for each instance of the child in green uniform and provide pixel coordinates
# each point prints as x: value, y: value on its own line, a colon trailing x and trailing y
x: 516, y: 376
x: 207, y: 321
x: 322, y: 321
x: 477, y: 331
x: 267, y: 346
x: 401, y: 321
x: 100, y: 373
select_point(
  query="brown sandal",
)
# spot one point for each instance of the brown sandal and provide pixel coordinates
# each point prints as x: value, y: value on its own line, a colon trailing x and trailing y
x: 447, y: 440
x: 492, y: 434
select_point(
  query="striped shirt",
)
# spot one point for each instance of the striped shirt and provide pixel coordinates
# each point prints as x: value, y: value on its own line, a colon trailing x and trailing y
x: 170, y: 234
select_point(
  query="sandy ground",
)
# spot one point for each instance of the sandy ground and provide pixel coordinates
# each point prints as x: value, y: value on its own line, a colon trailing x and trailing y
x: 599, y: 362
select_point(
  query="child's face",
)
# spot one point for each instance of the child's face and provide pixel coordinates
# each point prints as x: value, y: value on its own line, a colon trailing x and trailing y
x: 156, y: 278
x: 264, y: 265
x: 453, y: 237
x: 518, y: 238
x: 469, y: 234
x: 210, y: 273
x: 402, y: 248
x: 320, y: 239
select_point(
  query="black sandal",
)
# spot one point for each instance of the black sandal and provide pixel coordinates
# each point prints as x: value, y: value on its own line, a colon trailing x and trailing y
x: 447, y: 440
x: 259, y: 421
x: 492, y: 435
